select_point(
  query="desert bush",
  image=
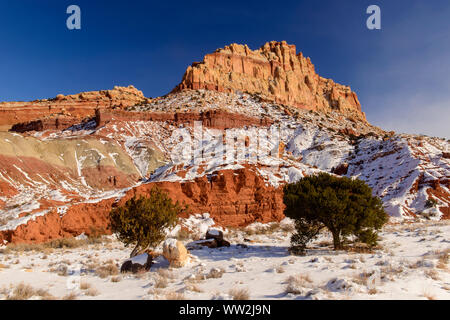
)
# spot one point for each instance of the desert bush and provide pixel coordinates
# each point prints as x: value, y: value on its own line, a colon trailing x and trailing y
x: 107, y: 270
x: 84, y: 285
x: 344, y: 206
x: 215, y: 273
x: 142, y: 221
x: 64, y: 243
x: 161, y: 282
x: 92, y: 292
x: 239, y: 294
x: 70, y: 296
x: 175, y: 296
x: 295, y: 284
x: 22, y: 292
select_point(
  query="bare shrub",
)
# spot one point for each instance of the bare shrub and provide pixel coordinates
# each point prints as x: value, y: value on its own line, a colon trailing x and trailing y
x: 175, y: 296
x: 297, y: 283
x: 92, y: 292
x: 70, y: 296
x: 433, y: 274
x: 44, y: 294
x: 161, y: 282
x: 22, y: 292
x: 84, y: 285
x: 239, y: 294
x: 54, y: 244
x: 193, y: 287
x: 165, y: 273
x: 107, y: 270
x: 215, y: 273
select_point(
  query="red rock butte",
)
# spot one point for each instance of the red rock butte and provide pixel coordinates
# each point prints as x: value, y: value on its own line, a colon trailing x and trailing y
x: 277, y: 73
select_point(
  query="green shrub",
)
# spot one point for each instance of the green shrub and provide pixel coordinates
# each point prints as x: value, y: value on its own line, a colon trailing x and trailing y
x: 342, y: 205
x: 142, y: 221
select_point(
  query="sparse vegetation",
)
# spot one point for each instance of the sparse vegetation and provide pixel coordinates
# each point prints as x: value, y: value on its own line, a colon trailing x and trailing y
x: 175, y: 296
x: 295, y: 284
x: 107, y: 270
x: 22, y: 292
x: 161, y: 282
x: 215, y: 273
x: 239, y: 294
x: 54, y: 244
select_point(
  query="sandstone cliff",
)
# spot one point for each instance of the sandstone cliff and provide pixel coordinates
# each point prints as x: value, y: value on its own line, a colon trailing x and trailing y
x: 276, y: 72
x: 66, y: 110
x: 234, y: 198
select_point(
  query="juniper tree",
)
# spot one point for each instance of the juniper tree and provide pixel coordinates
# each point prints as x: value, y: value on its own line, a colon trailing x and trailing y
x: 343, y: 205
x: 142, y: 221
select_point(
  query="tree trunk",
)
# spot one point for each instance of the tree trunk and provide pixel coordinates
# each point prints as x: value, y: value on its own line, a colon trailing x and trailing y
x: 136, y: 250
x: 336, y: 240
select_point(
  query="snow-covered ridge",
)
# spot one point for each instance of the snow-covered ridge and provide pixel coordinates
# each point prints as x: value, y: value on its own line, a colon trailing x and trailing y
x: 406, y: 171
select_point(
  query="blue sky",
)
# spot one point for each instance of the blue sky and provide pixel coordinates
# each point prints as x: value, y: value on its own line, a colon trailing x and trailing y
x: 401, y: 73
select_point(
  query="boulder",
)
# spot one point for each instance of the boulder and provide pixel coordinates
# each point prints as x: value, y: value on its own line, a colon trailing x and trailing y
x: 139, y: 263
x: 214, y: 234
x: 175, y: 252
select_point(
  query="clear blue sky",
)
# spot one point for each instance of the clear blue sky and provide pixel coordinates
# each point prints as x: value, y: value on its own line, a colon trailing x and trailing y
x: 401, y: 72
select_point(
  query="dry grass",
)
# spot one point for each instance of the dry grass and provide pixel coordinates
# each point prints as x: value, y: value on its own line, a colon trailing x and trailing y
x: 215, y: 273
x: 84, y: 285
x: 161, y: 282
x: 296, y: 283
x: 70, y: 296
x: 165, y: 273
x: 44, y: 294
x: 22, y: 292
x: 373, y: 291
x: 433, y: 274
x: 110, y: 269
x: 264, y: 229
x: 443, y: 258
x: 239, y: 294
x: 92, y: 292
x: 54, y: 244
x: 175, y: 296
x: 429, y: 295
x: 116, y: 279
x: 193, y: 287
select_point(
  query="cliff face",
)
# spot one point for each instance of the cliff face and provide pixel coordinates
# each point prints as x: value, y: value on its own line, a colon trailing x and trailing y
x: 277, y: 73
x: 66, y: 110
x: 234, y: 198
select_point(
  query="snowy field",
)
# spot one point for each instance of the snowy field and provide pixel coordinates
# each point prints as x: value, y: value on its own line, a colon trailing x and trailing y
x: 410, y: 263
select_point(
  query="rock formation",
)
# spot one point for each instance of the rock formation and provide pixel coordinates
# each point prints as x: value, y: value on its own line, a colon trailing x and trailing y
x: 234, y: 198
x: 175, y: 252
x: 277, y: 73
x: 70, y: 108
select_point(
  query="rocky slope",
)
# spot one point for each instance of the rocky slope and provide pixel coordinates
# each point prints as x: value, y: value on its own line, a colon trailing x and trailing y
x: 225, y: 152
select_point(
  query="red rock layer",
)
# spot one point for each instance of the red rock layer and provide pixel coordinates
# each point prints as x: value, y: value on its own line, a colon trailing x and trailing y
x: 276, y: 72
x: 232, y: 197
x: 217, y: 119
x: 78, y: 106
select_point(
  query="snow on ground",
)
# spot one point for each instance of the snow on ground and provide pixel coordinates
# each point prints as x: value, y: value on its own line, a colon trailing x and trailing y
x: 411, y: 263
